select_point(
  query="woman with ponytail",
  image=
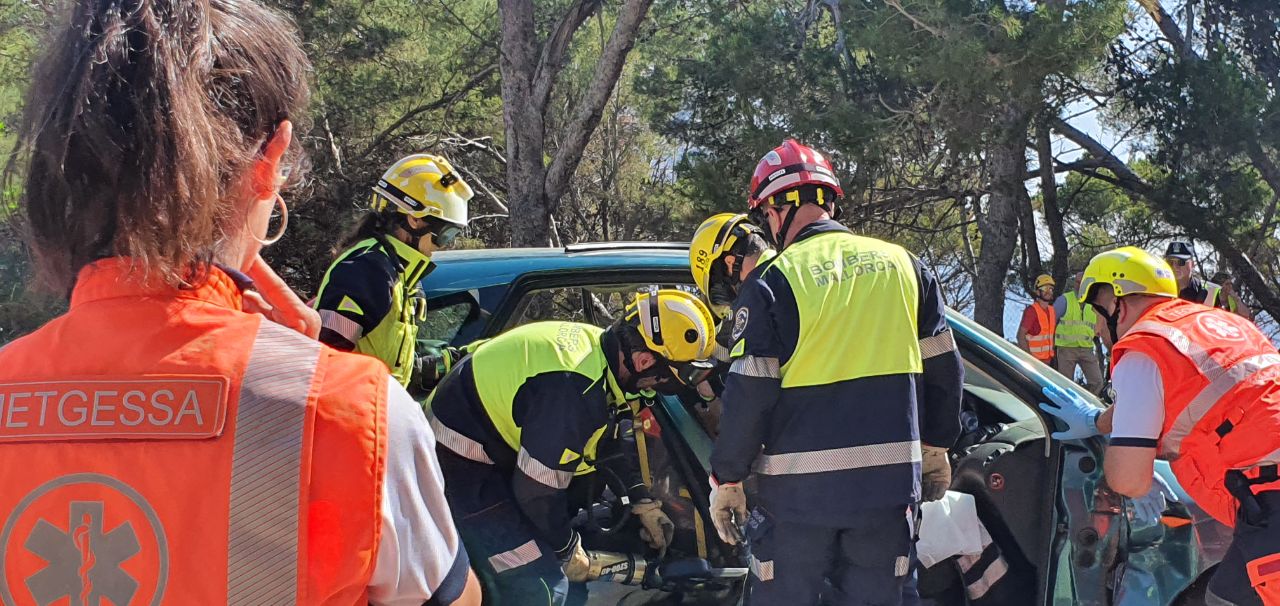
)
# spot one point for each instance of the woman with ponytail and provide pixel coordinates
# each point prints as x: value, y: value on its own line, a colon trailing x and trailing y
x: 181, y: 420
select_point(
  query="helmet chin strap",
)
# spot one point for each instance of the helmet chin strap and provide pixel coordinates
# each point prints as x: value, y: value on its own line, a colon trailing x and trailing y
x: 778, y: 238
x: 1113, y: 319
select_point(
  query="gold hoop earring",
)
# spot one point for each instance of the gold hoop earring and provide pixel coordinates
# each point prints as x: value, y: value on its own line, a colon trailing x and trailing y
x: 284, y: 224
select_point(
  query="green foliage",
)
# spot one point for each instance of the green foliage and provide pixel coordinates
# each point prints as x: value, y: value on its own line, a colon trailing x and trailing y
x: 1210, y: 115
x: 906, y: 96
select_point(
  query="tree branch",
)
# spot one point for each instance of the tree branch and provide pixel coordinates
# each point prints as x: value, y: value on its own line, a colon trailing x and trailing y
x: 897, y: 5
x: 1265, y: 165
x: 1189, y: 217
x: 1109, y: 160
x: 554, y: 49
x: 446, y: 100
x: 1168, y: 27
x: 591, y: 107
x: 1064, y: 167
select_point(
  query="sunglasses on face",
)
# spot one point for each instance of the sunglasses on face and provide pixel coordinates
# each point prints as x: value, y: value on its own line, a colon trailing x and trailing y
x: 1176, y: 262
x: 447, y: 235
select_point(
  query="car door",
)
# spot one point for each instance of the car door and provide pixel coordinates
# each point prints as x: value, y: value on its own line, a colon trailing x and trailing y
x: 669, y: 463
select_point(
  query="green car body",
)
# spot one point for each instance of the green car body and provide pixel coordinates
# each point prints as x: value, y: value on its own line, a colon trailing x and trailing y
x: 1050, y: 504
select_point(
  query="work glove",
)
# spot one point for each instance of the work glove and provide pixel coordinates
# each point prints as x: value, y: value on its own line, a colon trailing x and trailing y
x: 655, y: 527
x: 574, y: 561
x: 728, y: 510
x: 1148, y: 509
x: 1080, y: 417
x: 935, y: 473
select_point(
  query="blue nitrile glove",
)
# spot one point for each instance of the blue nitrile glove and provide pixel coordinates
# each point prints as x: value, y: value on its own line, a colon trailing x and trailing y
x: 1080, y: 417
x: 1149, y: 508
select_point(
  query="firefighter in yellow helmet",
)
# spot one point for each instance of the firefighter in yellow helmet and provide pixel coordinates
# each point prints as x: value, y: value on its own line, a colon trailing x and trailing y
x: 534, y: 407
x: 1199, y: 387
x: 726, y: 249
x: 371, y: 300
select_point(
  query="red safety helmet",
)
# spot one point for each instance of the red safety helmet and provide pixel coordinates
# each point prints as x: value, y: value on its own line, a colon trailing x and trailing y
x: 789, y: 166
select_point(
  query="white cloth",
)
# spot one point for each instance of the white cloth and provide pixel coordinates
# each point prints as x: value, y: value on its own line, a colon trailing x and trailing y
x: 1139, y: 416
x: 419, y: 549
x: 949, y: 527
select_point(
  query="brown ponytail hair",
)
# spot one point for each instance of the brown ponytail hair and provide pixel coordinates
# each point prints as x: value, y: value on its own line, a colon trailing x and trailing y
x: 142, y: 118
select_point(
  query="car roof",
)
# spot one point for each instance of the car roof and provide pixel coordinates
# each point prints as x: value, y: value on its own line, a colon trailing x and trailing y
x: 460, y: 270
x: 469, y: 269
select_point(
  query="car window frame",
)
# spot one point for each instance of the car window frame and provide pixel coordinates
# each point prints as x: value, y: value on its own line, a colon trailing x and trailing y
x: 543, y: 280
x: 476, y: 312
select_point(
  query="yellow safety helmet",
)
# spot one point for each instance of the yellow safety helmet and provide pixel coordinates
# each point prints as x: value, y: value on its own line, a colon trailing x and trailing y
x: 1130, y: 271
x: 715, y: 238
x: 1044, y: 280
x: 424, y: 185
x: 674, y: 324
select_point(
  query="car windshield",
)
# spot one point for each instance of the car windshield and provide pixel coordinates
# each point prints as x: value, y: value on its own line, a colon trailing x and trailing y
x: 599, y: 304
x: 1034, y: 368
x: 984, y: 386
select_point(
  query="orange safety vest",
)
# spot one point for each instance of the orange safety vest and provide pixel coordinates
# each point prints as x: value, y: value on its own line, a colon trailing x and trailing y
x: 1221, y: 394
x: 1041, y: 345
x: 161, y: 446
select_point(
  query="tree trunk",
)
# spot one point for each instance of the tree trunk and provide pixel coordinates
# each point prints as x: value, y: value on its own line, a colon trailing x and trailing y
x: 528, y: 77
x: 1006, y: 161
x: 1030, y: 242
x: 1052, y: 212
x: 530, y: 218
x: 589, y: 110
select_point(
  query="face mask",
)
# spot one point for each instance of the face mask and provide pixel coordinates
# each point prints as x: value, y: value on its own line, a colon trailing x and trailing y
x: 659, y: 371
x: 722, y: 292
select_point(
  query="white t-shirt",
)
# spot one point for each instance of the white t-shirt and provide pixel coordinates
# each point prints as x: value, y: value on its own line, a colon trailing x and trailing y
x: 420, y: 555
x: 1139, y: 409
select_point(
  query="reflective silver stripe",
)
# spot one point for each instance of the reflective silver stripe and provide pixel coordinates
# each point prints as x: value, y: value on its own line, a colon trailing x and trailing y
x: 1203, y: 402
x: 762, y: 570
x: 1041, y: 348
x: 901, y: 566
x: 838, y: 459
x: 547, y: 476
x: 266, y: 464
x: 1271, y: 459
x: 457, y: 443
x: 937, y: 345
x: 721, y: 353
x: 992, y: 575
x: 515, y: 558
x: 348, y: 328
x: 752, y: 366
x: 1179, y: 340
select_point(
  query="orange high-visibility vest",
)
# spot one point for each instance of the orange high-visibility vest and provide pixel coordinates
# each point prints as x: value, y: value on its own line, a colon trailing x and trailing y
x: 1222, y: 396
x: 1041, y: 345
x: 161, y: 446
